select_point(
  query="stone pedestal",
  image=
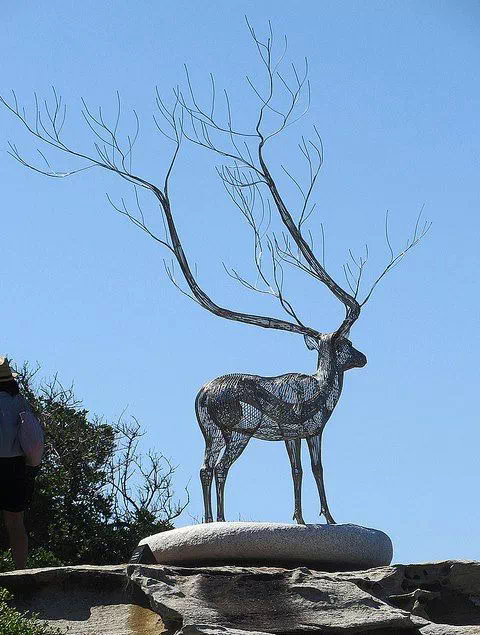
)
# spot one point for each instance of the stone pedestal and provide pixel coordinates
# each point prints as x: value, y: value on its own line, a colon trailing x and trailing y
x: 324, y: 547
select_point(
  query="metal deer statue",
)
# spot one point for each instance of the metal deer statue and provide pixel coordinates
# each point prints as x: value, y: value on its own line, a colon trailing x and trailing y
x: 234, y: 408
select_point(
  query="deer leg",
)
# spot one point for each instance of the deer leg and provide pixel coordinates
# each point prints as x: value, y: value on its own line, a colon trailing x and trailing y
x: 315, y: 448
x: 294, y: 454
x: 235, y: 445
x: 214, y: 442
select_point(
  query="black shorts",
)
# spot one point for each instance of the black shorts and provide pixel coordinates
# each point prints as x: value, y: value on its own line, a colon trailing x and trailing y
x: 17, y: 483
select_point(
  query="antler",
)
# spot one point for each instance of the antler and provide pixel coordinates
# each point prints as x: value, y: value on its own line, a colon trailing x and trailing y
x: 352, y: 307
x: 113, y: 158
x: 204, y: 125
x: 204, y: 300
x: 116, y: 157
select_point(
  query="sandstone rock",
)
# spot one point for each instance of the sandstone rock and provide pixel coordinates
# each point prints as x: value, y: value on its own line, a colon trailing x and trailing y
x: 83, y: 600
x: 425, y: 599
x: 262, y: 599
x: 419, y: 599
x: 331, y: 547
x: 444, y: 629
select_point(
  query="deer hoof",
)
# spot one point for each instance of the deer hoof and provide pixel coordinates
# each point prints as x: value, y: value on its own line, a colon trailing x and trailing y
x: 328, y: 518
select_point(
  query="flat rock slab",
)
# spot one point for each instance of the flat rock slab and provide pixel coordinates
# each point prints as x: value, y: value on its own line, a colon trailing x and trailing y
x: 83, y: 600
x: 262, y: 600
x: 328, y: 547
x: 440, y: 598
x: 419, y: 599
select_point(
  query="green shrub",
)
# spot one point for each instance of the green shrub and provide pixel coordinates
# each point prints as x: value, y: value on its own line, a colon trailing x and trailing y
x: 14, y: 623
x: 6, y: 561
x: 42, y: 557
x: 37, y: 558
x: 95, y: 487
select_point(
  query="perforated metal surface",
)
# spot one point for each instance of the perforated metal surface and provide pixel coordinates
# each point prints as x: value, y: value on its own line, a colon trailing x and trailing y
x: 234, y: 408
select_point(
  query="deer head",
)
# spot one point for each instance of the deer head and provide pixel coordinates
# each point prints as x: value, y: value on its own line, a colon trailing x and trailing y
x: 338, y: 349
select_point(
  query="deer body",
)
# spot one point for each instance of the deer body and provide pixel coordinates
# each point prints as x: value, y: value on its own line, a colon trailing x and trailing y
x: 234, y: 408
x: 290, y: 406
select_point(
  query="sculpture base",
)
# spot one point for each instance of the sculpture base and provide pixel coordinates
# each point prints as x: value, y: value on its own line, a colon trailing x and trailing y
x: 326, y: 547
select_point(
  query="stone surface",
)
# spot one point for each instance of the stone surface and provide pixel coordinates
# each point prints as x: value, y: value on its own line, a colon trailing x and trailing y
x: 83, y: 600
x: 262, y: 599
x: 425, y: 599
x: 331, y: 547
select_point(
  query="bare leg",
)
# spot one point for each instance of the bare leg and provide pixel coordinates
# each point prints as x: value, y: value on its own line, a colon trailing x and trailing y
x: 315, y: 448
x: 235, y: 445
x: 18, y: 537
x: 294, y: 454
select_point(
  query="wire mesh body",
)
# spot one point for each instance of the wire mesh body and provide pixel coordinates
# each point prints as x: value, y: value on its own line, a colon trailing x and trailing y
x: 234, y: 408
x: 291, y: 406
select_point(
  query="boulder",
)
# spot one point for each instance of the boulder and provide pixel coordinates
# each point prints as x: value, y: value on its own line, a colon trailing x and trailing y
x: 330, y: 547
x: 426, y: 599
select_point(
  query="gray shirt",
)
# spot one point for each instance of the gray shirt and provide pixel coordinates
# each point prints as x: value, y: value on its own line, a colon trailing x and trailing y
x: 10, y: 409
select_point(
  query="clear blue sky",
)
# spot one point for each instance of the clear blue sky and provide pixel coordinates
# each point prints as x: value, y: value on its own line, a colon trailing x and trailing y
x: 395, y: 96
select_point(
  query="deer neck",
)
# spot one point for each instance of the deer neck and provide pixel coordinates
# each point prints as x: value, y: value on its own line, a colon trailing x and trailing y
x: 328, y: 375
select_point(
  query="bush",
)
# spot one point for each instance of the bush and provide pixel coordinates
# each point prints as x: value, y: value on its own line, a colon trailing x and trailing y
x: 95, y: 488
x: 41, y: 557
x: 37, y: 558
x: 12, y: 622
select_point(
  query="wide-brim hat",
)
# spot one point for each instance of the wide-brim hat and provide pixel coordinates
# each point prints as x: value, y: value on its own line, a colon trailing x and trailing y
x: 5, y: 371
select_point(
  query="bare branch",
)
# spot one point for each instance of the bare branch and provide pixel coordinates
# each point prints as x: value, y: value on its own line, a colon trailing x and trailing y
x: 138, y: 485
x: 279, y: 102
x: 396, y: 258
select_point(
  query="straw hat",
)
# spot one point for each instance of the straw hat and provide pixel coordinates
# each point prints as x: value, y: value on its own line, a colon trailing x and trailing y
x: 5, y: 372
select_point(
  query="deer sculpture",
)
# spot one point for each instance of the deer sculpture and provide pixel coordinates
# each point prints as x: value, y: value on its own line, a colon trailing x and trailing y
x: 234, y: 408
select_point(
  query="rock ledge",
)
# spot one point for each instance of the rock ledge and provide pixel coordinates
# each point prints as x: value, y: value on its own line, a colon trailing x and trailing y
x: 425, y: 599
x: 440, y: 598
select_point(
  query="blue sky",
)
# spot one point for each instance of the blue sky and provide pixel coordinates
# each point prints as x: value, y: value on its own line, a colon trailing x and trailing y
x: 395, y: 97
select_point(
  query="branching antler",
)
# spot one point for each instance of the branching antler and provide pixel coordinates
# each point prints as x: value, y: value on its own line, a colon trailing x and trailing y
x: 259, y: 175
x: 284, y: 100
x: 113, y: 157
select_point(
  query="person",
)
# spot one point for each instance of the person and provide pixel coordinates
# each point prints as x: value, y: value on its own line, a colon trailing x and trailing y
x: 16, y: 478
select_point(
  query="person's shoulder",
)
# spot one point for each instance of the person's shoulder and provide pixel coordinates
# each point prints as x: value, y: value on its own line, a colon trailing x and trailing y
x: 7, y: 403
x: 20, y: 400
x: 14, y: 401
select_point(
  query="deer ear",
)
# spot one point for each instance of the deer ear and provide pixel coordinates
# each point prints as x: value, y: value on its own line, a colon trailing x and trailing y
x: 311, y: 343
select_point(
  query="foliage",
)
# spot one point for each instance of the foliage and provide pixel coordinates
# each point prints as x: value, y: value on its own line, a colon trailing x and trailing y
x: 95, y: 495
x: 37, y: 558
x: 12, y: 622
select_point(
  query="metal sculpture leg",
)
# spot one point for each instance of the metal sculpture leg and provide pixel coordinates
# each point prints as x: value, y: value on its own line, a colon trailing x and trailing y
x: 214, y: 442
x: 315, y: 448
x: 235, y: 445
x: 294, y: 454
